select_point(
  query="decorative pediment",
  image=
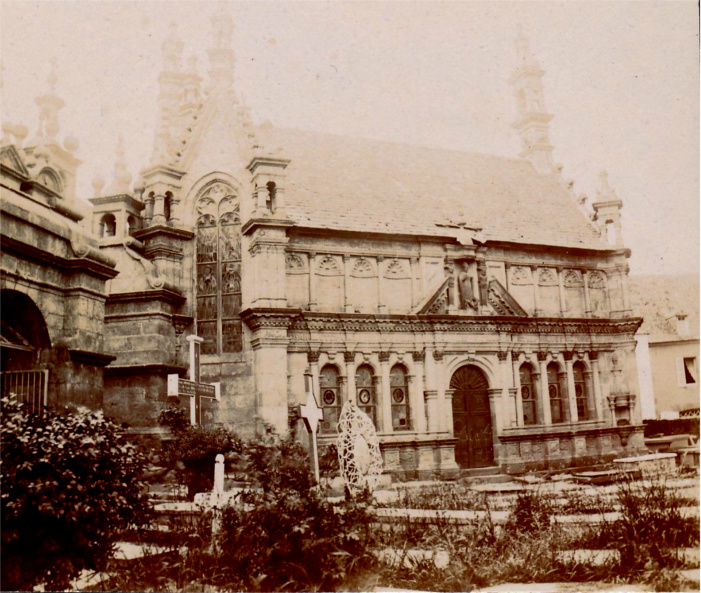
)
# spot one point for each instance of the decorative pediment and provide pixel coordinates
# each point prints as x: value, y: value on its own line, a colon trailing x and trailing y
x: 12, y: 159
x: 502, y: 302
x: 437, y: 301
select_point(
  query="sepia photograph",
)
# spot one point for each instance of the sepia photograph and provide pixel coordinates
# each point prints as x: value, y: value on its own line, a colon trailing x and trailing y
x: 349, y: 295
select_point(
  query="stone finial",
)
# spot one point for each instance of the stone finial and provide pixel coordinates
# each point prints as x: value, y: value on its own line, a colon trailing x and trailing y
x: 49, y: 105
x: 98, y: 183
x: 221, y: 54
x: 71, y: 143
x: 121, y: 177
x: 8, y: 130
x: 522, y: 43
x: 172, y: 49
x: 20, y: 133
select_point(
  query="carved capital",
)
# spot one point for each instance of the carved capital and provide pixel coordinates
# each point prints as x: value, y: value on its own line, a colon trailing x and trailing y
x: 568, y: 354
x: 349, y: 356
x: 542, y: 356
x: 313, y: 356
x: 593, y: 355
x: 419, y: 355
x: 502, y: 355
x: 380, y: 259
x: 438, y: 355
x: 383, y: 356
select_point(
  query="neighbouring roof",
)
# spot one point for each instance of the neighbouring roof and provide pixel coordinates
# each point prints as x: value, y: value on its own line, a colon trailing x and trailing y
x: 365, y: 185
x: 657, y: 298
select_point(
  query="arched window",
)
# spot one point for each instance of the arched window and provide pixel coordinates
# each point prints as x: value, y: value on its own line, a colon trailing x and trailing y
x: 272, y: 196
x: 108, y: 226
x: 329, y: 385
x: 218, y: 280
x: 167, y: 205
x: 557, y: 411
x: 132, y: 225
x: 580, y: 391
x: 528, y: 394
x: 399, y: 389
x: 366, y: 397
x: 49, y: 178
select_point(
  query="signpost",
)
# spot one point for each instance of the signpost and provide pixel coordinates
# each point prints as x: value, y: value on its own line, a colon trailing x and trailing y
x: 312, y: 414
x: 192, y: 388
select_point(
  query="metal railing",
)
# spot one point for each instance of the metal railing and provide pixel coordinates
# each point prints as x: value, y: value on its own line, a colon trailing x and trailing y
x: 29, y: 387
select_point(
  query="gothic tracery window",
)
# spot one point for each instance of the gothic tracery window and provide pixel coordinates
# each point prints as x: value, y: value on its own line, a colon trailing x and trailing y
x: 557, y: 411
x: 399, y: 390
x: 218, y: 280
x: 366, y: 396
x: 331, y: 400
x: 528, y: 395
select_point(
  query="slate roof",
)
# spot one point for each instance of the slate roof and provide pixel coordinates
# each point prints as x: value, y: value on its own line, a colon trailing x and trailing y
x: 342, y: 183
x: 656, y: 298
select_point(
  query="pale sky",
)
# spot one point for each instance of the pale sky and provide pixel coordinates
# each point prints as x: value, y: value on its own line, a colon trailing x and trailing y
x: 622, y: 80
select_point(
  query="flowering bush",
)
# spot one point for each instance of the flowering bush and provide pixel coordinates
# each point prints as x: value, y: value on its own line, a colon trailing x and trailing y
x: 70, y: 485
x: 194, y: 449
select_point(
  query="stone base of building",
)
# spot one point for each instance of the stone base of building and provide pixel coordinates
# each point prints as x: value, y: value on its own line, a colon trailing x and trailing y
x: 565, y: 447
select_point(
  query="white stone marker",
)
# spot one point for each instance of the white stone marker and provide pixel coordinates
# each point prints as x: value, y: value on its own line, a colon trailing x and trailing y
x: 311, y: 413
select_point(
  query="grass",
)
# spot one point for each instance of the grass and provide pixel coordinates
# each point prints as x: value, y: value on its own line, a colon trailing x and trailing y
x: 528, y: 548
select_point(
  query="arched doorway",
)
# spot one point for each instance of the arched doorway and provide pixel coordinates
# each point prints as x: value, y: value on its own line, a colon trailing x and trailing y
x: 23, y: 338
x: 472, y: 418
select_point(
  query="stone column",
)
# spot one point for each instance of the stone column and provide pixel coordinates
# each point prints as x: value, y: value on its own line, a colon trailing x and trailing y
x: 507, y: 277
x: 270, y: 355
x: 349, y: 358
x: 381, y: 305
x: 518, y: 403
x: 497, y: 420
x: 347, y: 305
x: 571, y: 396
x: 591, y: 399
x: 312, y: 281
x: 506, y: 411
x: 380, y: 387
x: 565, y: 395
x: 174, y: 211
x: 385, y: 397
x: 159, y: 209
x: 596, y: 382
x: 587, y: 296
x: 561, y: 288
x: 431, y: 391
x: 449, y: 405
x: 536, y: 292
x: 542, y: 382
x: 148, y: 210
x: 416, y: 392
x: 415, y: 292
x: 445, y: 416
x: 313, y: 360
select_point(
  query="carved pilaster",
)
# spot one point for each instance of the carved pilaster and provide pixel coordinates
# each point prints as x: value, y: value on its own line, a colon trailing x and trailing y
x: 383, y: 356
x: 419, y: 355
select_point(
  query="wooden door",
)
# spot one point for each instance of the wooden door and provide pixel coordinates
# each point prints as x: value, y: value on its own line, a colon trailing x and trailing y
x: 472, y: 418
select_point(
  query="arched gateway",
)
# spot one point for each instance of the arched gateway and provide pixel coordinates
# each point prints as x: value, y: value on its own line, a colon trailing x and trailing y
x: 472, y: 419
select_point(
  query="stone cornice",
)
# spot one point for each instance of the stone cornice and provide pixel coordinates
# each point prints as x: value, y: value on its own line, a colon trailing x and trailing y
x: 160, y: 294
x: 91, y: 263
x: 357, y: 322
x: 97, y: 359
x: 144, y: 370
x: 269, y: 318
x: 153, y: 231
x: 265, y: 222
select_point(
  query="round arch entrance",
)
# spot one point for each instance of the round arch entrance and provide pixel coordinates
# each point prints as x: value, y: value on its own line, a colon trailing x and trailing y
x: 472, y: 418
x: 23, y: 333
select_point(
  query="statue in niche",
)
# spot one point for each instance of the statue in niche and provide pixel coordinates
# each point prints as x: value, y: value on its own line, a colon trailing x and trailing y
x: 466, y: 289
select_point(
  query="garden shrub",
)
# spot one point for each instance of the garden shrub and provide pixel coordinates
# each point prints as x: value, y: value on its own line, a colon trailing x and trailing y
x: 194, y: 449
x: 289, y: 537
x: 70, y: 485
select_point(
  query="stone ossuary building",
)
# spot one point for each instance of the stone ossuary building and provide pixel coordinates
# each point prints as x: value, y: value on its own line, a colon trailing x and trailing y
x: 470, y: 304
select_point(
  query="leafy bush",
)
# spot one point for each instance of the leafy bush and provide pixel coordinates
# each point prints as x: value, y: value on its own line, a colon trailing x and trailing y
x: 70, y: 484
x: 532, y: 513
x: 288, y: 537
x: 194, y: 449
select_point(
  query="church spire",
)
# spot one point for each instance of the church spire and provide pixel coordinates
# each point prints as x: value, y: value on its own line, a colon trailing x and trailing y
x: 121, y: 178
x: 221, y: 54
x: 49, y: 105
x: 532, y: 123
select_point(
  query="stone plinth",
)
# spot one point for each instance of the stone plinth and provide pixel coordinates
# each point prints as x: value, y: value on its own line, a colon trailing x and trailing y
x: 648, y: 465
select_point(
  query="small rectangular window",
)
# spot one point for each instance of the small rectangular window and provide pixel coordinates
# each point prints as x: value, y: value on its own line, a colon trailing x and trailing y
x: 687, y: 373
x: 690, y: 371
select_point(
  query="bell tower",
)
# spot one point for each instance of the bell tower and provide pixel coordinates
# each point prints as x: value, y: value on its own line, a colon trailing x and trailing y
x: 533, y: 121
